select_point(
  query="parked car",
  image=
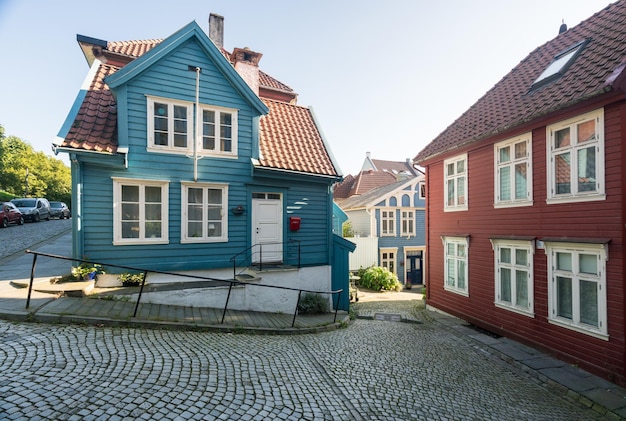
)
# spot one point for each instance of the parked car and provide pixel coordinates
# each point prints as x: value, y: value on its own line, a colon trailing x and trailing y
x: 59, y: 210
x: 9, y: 214
x: 33, y: 209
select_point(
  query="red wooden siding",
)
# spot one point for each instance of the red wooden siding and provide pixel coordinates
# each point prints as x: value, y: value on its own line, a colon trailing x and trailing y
x: 595, y: 219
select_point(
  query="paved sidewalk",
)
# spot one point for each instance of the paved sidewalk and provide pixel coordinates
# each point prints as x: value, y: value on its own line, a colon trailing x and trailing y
x: 606, y: 399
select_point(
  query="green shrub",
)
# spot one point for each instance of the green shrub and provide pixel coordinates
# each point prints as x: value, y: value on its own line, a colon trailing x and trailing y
x: 131, y: 279
x: 313, y: 304
x: 379, y: 279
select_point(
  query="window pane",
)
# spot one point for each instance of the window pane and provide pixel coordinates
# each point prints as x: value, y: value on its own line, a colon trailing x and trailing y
x: 451, y: 273
x: 587, y: 131
x: 194, y: 229
x: 520, y: 181
x: 226, y: 119
x: 521, y: 257
x: 461, y: 250
x: 461, y: 275
x: 450, y: 169
x: 214, y: 229
x: 562, y: 166
x: 564, y: 261
x: 160, y: 139
x: 208, y: 116
x: 194, y: 195
x: 562, y: 138
x: 588, y: 263
x: 587, y: 169
x: 153, y: 212
x: 180, y: 112
x: 505, y: 154
x: 589, y: 303
x: 130, y: 211
x: 460, y: 167
x: 451, y: 249
x: 450, y: 192
x: 160, y: 124
x: 130, y: 229
x: 505, y: 183
x: 153, y: 194
x: 153, y: 230
x: 461, y: 190
x: 214, y: 214
x: 194, y: 212
x: 505, y: 255
x: 521, y: 288
x: 564, y: 297
x: 505, y: 285
x: 520, y: 150
x: 130, y: 193
x: 180, y: 141
x: 160, y: 109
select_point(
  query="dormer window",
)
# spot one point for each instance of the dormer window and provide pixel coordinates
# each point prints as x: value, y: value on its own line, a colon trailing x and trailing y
x: 559, y: 65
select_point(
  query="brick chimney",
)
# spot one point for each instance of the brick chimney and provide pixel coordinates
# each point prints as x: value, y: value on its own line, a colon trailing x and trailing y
x: 246, y: 63
x: 216, y: 30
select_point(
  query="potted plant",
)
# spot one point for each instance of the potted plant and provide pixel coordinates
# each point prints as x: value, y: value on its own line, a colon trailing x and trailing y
x: 86, y: 271
x: 131, y: 279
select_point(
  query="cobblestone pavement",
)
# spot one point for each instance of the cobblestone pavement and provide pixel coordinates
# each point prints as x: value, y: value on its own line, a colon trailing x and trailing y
x: 372, y: 370
x: 17, y: 238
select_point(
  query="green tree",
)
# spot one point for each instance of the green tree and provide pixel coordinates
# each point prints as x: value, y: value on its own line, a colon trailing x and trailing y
x: 23, y: 171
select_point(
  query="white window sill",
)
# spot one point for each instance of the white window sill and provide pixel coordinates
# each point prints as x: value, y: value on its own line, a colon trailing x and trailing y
x: 590, y: 331
x: 575, y: 199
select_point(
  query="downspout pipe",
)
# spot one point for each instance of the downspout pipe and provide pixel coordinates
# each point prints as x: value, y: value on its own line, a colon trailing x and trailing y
x: 196, y: 126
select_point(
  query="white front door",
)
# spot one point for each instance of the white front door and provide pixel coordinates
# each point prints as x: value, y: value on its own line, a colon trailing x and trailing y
x: 267, y: 228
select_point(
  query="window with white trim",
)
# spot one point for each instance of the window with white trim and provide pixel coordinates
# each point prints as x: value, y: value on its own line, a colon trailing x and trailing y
x: 140, y: 209
x: 387, y: 222
x: 456, y: 264
x: 204, y: 212
x: 170, y: 125
x: 513, y: 177
x: 513, y: 268
x: 577, y: 286
x: 219, y: 130
x: 407, y: 222
x: 388, y: 259
x: 576, y: 159
x: 171, y: 128
x: 455, y: 182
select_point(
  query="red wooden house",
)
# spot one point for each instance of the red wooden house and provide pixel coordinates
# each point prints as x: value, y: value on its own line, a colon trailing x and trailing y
x: 526, y: 201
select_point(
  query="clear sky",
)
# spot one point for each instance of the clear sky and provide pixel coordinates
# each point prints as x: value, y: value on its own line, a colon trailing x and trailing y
x: 384, y: 77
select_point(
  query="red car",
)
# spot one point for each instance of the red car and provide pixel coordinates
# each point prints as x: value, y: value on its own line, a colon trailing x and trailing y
x: 9, y: 214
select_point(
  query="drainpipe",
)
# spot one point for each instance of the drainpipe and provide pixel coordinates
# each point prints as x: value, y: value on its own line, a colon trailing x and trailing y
x: 196, y: 126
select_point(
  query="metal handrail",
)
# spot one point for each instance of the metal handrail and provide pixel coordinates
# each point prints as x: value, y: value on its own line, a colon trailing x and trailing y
x: 249, y: 254
x: 184, y: 275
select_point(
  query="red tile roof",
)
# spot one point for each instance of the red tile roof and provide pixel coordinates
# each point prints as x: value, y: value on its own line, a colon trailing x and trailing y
x: 363, y: 183
x: 599, y: 69
x: 291, y: 141
x: 95, y: 126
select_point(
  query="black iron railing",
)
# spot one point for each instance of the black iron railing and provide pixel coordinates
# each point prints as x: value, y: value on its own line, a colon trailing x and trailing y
x: 231, y: 282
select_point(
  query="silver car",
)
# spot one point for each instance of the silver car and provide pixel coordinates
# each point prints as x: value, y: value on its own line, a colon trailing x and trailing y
x: 33, y: 209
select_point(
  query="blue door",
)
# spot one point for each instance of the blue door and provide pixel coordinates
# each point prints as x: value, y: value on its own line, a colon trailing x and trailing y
x: 414, y: 268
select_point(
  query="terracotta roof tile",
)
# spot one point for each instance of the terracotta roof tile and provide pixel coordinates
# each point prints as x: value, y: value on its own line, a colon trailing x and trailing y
x: 291, y: 141
x: 268, y: 81
x: 95, y: 126
x: 132, y: 48
x: 511, y: 102
x: 363, y: 183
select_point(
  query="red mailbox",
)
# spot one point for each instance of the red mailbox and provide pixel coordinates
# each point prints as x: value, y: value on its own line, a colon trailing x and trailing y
x: 294, y: 223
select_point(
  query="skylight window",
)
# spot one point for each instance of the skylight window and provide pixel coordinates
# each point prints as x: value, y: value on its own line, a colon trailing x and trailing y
x: 559, y: 65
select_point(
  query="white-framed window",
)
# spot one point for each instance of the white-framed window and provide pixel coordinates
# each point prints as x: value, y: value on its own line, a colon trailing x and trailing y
x: 455, y: 180
x: 388, y: 259
x: 577, y: 297
x: 387, y: 222
x: 421, y: 186
x: 576, y: 159
x: 204, y: 212
x: 219, y: 131
x: 171, y: 128
x: 170, y: 125
x: 407, y: 222
x: 513, y: 172
x: 140, y: 211
x: 513, y: 270
x: 456, y: 264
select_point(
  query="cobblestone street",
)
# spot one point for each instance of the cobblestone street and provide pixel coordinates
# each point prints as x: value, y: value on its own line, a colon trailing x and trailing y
x: 373, y: 370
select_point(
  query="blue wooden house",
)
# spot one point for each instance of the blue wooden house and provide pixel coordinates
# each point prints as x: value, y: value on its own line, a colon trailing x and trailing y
x: 188, y: 157
x: 389, y: 228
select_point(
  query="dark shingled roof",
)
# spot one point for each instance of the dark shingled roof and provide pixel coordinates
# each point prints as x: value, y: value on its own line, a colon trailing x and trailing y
x: 599, y: 69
